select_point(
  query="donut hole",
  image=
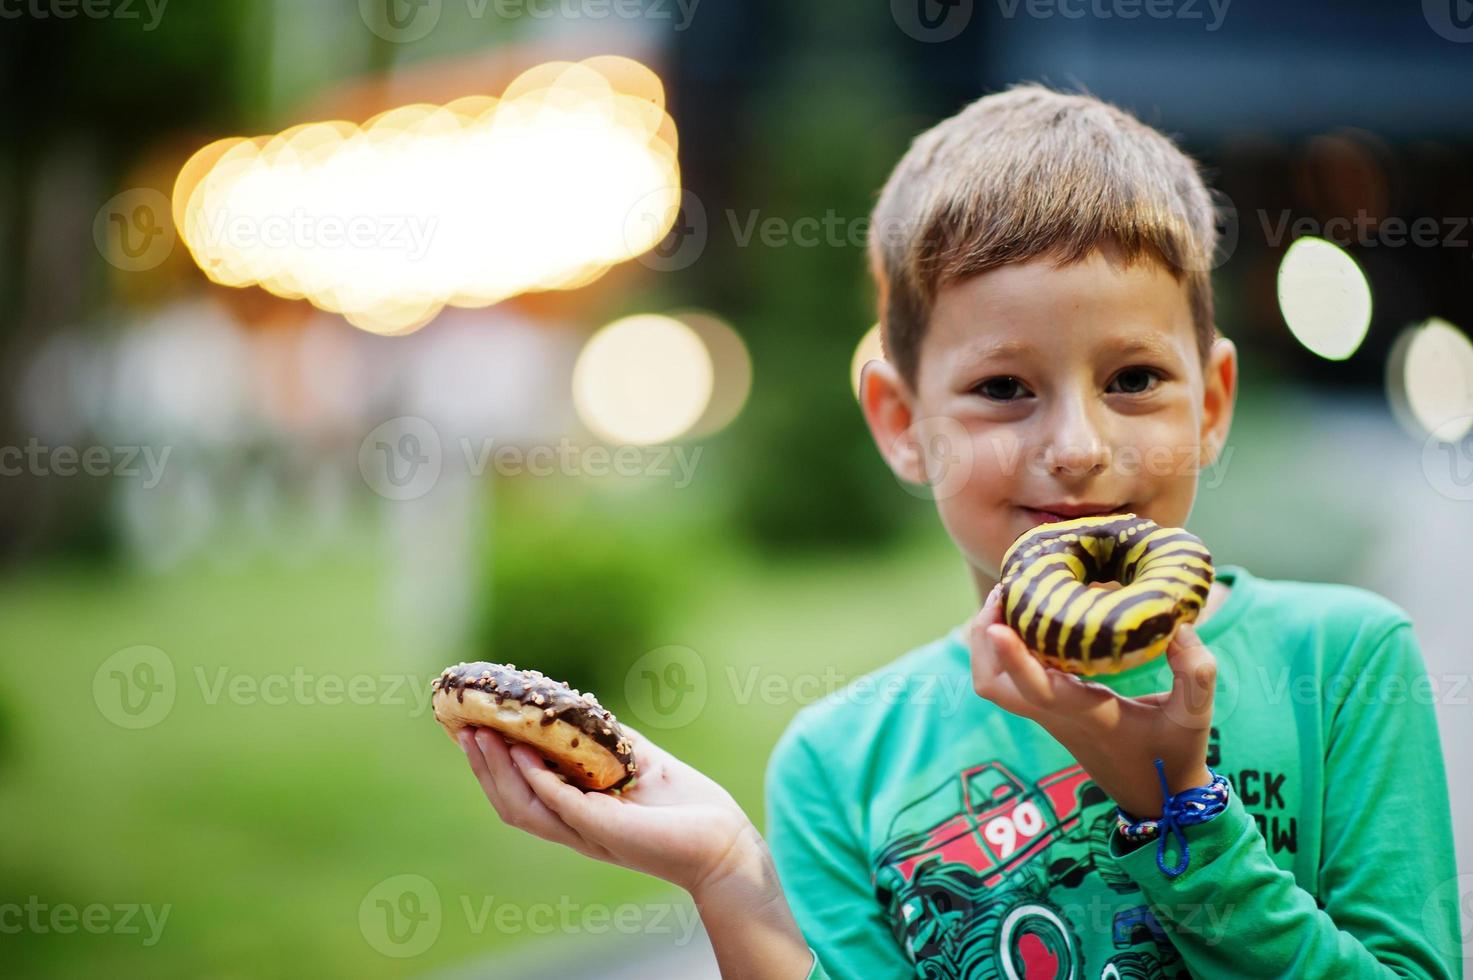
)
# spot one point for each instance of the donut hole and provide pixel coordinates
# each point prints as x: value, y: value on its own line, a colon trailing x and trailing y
x: 1107, y: 586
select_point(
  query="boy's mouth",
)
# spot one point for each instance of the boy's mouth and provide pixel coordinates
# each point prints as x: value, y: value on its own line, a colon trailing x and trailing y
x: 1053, y: 513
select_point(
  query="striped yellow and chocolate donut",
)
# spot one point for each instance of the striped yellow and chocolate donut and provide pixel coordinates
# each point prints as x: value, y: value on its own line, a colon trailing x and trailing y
x: 1165, y: 574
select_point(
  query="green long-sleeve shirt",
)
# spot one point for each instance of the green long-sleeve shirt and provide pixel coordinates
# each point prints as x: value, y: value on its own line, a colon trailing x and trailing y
x: 919, y: 829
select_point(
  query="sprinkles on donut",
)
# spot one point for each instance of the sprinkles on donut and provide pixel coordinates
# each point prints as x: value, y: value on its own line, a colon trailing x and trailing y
x: 1165, y: 574
x: 575, y: 734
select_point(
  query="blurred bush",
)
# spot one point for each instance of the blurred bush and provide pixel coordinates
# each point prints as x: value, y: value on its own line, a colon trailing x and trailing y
x: 575, y: 591
x: 6, y: 729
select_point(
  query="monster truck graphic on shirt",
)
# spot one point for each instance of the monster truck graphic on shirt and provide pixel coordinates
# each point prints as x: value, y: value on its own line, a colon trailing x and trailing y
x: 967, y: 870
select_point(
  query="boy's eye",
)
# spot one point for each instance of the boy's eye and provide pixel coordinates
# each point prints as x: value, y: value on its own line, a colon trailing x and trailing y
x: 1002, y: 389
x: 1137, y: 380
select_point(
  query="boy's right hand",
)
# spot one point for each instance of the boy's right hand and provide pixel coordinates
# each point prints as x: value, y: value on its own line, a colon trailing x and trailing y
x: 1115, y: 738
x: 673, y: 822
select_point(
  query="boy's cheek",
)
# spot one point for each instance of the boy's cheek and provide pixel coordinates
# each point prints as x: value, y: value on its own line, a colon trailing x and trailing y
x: 978, y: 524
x: 972, y: 480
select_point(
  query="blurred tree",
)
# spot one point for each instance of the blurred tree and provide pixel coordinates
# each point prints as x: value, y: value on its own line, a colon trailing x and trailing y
x: 783, y: 149
x: 87, y: 97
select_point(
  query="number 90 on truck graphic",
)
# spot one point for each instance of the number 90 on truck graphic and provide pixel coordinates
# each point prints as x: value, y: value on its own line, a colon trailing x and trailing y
x: 987, y: 820
x: 956, y: 878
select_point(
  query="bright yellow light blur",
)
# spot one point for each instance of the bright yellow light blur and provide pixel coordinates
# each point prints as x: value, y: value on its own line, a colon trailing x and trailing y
x: 1430, y: 379
x: 1324, y: 297
x: 731, y: 367
x: 869, y: 349
x: 570, y: 172
x: 643, y: 379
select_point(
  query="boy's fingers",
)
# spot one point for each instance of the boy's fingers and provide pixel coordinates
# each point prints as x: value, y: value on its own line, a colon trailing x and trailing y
x: 992, y: 607
x: 985, y: 667
x: 531, y: 769
x: 467, y: 739
x: 1028, y: 675
x: 585, y: 813
x: 990, y: 612
x: 509, y: 794
x: 990, y: 677
x: 1193, y: 679
x: 511, y: 789
x: 1044, y: 688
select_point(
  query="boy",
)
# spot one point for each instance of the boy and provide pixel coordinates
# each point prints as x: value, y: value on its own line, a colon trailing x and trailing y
x: 1043, y: 269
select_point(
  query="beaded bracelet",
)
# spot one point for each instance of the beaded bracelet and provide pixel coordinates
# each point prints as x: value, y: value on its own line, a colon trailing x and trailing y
x: 1191, y: 806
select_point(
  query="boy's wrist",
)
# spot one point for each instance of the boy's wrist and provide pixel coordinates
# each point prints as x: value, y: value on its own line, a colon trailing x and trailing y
x: 1192, y: 806
x: 745, y: 874
x: 1146, y: 802
x: 747, y: 918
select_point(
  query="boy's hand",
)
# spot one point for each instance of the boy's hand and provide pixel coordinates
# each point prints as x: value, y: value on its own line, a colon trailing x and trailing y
x: 673, y: 822
x: 1116, y: 739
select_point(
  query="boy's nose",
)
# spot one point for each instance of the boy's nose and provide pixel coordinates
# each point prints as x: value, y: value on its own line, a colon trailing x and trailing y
x: 1076, y: 459
x: 1076, y: 447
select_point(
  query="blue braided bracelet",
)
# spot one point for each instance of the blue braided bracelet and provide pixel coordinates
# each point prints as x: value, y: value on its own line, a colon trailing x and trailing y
x: 1195, y: 805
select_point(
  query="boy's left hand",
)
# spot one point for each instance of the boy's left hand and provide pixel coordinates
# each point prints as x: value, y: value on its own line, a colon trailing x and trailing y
x: 1116, y: 739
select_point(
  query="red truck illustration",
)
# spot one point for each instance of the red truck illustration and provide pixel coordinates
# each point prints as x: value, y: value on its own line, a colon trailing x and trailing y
x: 956, y: 877
x: 965, y: 898
x: 985, y: 819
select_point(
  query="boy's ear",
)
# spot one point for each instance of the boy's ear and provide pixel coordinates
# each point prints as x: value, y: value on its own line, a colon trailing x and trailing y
x: 1220, y: 388
x: 889, y: 409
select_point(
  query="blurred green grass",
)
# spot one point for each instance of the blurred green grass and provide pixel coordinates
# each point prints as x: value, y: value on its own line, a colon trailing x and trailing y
x: 264, y: 826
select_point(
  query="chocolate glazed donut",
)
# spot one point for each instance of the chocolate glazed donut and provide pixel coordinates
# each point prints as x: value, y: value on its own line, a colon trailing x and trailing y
x: 1165, y: 574
x: 575, y: 734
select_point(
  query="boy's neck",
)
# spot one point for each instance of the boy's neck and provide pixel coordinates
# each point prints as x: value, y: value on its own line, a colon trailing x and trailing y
x: 983, y: 582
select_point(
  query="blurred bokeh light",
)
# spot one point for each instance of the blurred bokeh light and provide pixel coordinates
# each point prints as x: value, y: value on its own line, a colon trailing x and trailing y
x: 643, y: 379
x: 731, y: 370
x: 1430, y: 380
x: 572, y: 170
x: 1324, y: 297
x: 868, y: 349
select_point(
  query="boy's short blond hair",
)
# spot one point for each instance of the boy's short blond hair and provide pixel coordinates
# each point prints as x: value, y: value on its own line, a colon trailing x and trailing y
x: 1030, y: 172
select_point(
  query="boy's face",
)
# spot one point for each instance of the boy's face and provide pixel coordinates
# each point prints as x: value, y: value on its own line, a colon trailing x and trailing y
x: 1028, y: 397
